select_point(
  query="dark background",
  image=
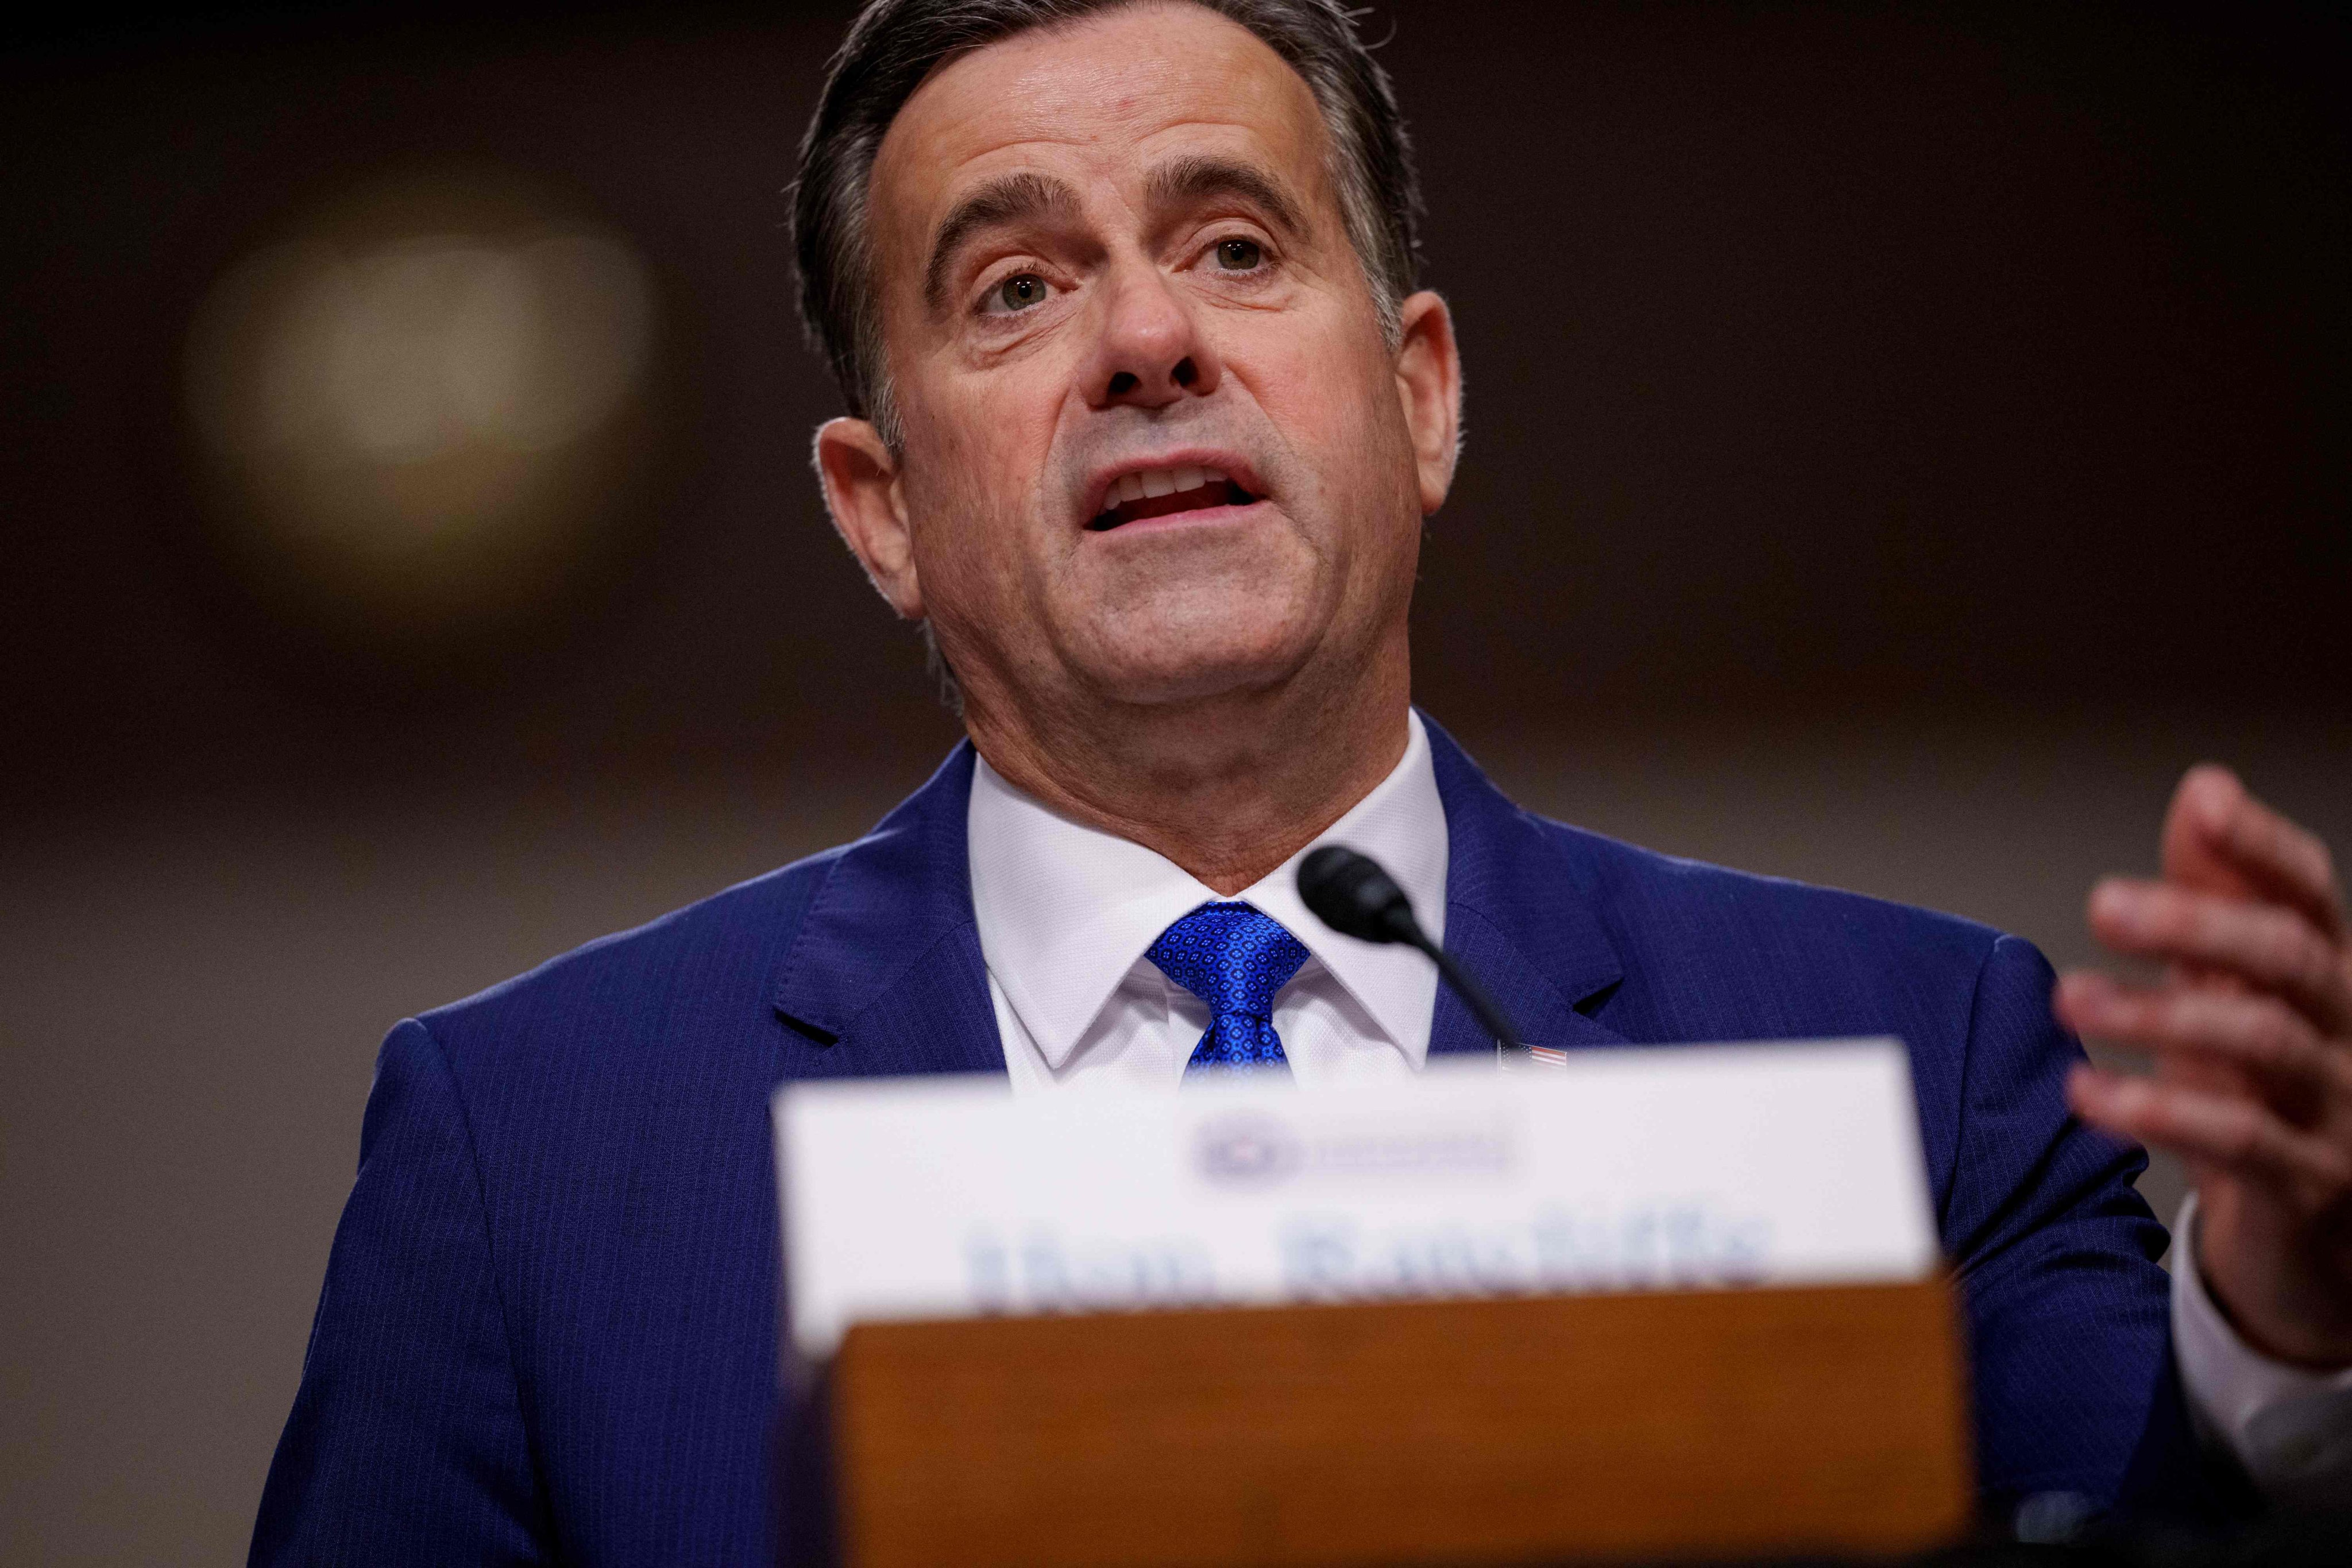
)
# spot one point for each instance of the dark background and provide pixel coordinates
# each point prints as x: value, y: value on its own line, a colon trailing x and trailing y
x: 1899, y: 440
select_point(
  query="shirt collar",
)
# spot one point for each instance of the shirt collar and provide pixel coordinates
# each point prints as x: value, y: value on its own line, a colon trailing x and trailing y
x: 1066, y: 911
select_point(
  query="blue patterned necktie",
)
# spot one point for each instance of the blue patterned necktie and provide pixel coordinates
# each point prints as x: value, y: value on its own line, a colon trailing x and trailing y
x: 1234, y: 959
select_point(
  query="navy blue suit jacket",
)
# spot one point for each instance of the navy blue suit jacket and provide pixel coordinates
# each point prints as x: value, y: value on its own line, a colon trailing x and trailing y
x: 549, y: 1325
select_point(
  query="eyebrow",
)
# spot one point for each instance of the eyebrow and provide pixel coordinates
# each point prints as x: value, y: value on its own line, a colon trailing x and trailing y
x: 1200, y: 177
x: 1009, y: 198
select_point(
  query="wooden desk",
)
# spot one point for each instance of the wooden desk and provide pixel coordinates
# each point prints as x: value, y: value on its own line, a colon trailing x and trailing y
x: 1714, y: 1424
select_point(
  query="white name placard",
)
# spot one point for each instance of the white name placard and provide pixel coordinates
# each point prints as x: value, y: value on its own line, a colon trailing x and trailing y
x: 1633, y: 1169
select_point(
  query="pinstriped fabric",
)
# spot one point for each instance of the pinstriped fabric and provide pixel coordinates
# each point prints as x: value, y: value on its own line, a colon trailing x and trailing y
x: 549, y: 1327
x: 2069, y: 1326
x: 415, y: 1416
x: 1234, y: 959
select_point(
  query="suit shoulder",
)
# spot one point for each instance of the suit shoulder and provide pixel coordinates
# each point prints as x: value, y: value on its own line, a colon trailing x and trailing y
x: 727, y: 943
x: 1663, y: 902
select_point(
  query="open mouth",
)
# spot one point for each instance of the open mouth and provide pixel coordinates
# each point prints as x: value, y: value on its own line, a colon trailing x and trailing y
x: 1162, y: 492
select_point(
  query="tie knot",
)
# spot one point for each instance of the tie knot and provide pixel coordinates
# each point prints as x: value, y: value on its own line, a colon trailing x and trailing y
x: 1230, y: 956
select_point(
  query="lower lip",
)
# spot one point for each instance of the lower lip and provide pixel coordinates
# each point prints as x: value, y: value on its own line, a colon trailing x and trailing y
x: 1199, y: 517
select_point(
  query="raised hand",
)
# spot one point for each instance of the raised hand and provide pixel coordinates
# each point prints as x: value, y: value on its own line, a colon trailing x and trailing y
x: 2252, y: 1033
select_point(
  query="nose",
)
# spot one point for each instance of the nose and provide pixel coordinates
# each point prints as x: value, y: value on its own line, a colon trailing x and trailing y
x: 1149, y: 351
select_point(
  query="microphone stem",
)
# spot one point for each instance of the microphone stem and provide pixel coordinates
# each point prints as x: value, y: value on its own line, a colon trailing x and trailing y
x: 1482, y: 1007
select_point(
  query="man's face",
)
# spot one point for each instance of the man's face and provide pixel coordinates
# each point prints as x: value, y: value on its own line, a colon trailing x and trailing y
x: 1156, y: 447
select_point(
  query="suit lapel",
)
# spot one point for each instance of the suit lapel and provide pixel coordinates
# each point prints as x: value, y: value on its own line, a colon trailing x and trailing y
x: 1517, y: 916
x: 886, y: 976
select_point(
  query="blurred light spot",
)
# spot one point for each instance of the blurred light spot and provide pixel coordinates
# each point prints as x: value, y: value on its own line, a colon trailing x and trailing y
x: 411, y: 351
x: 421, y: 403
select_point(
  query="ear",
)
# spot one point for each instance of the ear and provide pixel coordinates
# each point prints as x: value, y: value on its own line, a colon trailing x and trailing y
x: 1429, y: 382
x: 869, y: 507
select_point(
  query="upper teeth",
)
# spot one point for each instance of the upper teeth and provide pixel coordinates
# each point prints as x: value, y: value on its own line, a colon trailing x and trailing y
x: 1160, y: 482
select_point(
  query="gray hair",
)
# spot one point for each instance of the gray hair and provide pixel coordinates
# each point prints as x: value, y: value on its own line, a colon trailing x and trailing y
x: 895, y: 44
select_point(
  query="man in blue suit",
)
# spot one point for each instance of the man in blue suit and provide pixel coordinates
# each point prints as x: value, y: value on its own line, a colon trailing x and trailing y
x: 1146, y: 420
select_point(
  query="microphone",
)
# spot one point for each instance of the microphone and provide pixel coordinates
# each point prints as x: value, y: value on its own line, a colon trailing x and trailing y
x: 1351, y: 893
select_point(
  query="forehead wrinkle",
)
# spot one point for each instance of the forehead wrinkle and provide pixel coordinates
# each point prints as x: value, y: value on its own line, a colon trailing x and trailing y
x: 1007, y: 198
x: 1028, y: 90
x: 1184, y: 177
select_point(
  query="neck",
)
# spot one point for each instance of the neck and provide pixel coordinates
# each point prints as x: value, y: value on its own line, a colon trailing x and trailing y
x: 1227, y: 787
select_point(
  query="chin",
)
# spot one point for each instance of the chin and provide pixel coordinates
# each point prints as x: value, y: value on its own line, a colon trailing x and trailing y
x: 1156, y: 666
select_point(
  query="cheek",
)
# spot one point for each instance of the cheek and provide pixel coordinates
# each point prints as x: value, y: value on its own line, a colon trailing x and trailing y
x: 975, y: 456
x: 1333, y: 396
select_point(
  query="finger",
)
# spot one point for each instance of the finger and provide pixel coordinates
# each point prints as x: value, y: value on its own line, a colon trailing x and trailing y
x: 2269, y: 947
x: 2254, y: 1031
x: 2224, y: 1132
x: 2218, y: 838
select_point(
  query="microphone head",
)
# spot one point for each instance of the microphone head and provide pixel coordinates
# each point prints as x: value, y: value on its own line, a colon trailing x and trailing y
x: 1351, y: 893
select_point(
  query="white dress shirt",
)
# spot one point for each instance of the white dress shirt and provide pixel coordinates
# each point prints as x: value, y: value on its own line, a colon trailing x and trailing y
x: 2290, y: 1428
x: 1067, y: 913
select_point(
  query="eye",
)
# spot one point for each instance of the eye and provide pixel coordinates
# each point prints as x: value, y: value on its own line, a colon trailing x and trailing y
x: 1239, y: 255
x: 1021, y: 292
